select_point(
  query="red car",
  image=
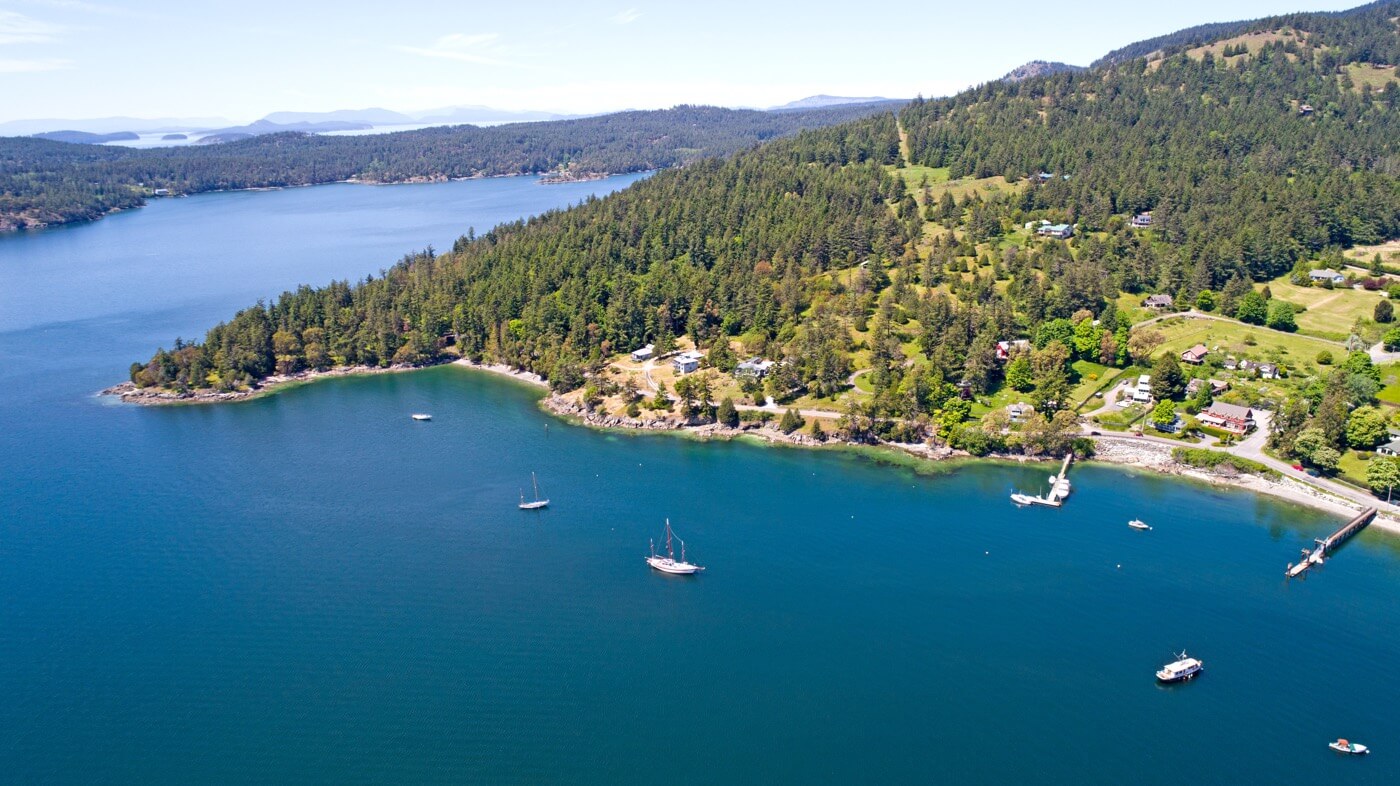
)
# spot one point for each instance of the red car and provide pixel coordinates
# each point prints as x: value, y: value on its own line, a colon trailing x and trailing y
x: 1298, y: 467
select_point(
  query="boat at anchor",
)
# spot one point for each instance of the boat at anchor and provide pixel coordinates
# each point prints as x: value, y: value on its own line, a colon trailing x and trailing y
x: 668, y: 563
x: 538, y: 502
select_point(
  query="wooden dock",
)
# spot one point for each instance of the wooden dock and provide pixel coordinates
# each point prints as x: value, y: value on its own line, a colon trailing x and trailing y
x: 1323, y: 546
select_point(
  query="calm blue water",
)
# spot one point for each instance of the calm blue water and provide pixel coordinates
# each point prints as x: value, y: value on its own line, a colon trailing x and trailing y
x: 313, y: 588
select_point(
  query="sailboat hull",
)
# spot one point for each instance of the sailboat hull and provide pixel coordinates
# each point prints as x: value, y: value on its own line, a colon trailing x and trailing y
x: 668, y: 565
x: 536, y: 505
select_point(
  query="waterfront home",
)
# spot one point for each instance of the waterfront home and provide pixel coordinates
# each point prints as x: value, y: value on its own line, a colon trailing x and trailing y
x: 1391, y: 448
x: 1019, y: 413
x: 645, y: 353
x: 1169, y: 428
x: 1059, y: 231
x: 1142, y: 220
x: 1327, y: 276
x: 1006, y: 348
x: 1228, y: 417
x: 687, y: 362
x: 1195, y: 355
x: 756, y: 368
x: 1143, y: 392
x: 1158, y: 301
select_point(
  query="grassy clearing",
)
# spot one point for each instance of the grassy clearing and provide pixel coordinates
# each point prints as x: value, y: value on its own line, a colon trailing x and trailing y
x: 1295, y: 351
x: 1390, y: 379
x: 1331, y: 313
x: 1253, y: 41
x: 1362, y: 255
x: 938, y: 183
x: 1366, y: 74
x: 1352, y: 468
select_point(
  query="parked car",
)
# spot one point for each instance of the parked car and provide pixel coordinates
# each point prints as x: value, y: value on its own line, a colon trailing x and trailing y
x: 1298, y: 467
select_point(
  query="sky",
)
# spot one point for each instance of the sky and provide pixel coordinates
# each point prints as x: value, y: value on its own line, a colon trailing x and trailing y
x: 241, y: 60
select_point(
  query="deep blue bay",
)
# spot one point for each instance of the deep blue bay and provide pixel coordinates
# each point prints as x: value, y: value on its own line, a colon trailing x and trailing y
x: 310, y: 587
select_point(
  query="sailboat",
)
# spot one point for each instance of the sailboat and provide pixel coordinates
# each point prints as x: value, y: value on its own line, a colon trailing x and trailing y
x: 668, y: 563
x: 538, y: 503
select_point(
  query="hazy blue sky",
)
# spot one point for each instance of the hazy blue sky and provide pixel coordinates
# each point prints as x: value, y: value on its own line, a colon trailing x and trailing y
x: 245, y: 58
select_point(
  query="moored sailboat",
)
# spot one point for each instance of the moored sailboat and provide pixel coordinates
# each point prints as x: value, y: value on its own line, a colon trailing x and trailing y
x: 538, y: 502
x: 668, y: 563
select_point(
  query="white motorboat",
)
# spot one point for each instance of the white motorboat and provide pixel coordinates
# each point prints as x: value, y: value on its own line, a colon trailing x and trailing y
x: 1025, y: 499
x: 421, y: 416
x: 1353, y: 748
x: 1138, y: 524
x: 538, y: 503
x: 668, y: 563
x: 1180, y: 670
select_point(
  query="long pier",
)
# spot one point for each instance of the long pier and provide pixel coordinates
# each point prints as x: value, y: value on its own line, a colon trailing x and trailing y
x: 1323, y: 546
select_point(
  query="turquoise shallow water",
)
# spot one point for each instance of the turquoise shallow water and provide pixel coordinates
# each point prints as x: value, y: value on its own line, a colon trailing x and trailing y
x: 311, y: 587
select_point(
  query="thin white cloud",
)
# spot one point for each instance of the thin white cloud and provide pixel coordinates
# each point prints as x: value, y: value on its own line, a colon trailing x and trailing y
x: 32, y: 66
x: 16, y: 28
x: 627, y: 17
x: 481, y: 48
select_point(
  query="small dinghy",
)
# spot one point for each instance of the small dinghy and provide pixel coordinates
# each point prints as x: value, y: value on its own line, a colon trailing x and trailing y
x: 1138, y: 524
x: 1352, y: 748
x: 421, y: 416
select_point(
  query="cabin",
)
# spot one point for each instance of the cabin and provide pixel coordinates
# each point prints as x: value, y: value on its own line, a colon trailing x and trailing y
x: 1391, y: 448
x: 1006, y: 348
x: 687, y: 362
x: 1305, y: 109
x: 754, y: 368
x: 1143, y: 392
x: 1142, y: 220
x: 1158, y: 301
x: 1058, y: 231
x: 1327, y: 276
x: 161, y: 192
x: 645, y: 353
x: 1195, y: 355
x: 1228, y: 417
x: 1019, y: 413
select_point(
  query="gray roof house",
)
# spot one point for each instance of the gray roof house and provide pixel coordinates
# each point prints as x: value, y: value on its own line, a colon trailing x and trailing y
x: 687, y: 362
x: 1391, y: 448
x: 1327, y: 275
x: 1158, y: 301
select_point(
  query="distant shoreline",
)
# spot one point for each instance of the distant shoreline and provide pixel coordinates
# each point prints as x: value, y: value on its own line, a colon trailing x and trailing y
x: 1122, y: 451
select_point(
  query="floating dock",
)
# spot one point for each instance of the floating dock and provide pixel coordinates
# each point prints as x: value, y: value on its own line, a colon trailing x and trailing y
x: 1059, y: 489
x: 1322, y: 547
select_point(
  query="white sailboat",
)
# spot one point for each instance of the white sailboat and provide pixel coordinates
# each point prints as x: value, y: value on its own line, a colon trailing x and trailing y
x: 668, y: 563
x: 538, y: 503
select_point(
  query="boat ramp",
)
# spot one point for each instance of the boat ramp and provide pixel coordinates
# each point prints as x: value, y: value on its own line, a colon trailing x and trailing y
x: 1322, y: 547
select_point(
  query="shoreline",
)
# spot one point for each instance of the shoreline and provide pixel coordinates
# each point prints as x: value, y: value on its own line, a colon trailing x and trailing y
x: 1121, y: 451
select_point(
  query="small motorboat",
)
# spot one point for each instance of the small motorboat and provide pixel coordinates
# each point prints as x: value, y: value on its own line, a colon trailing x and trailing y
x: 1138, y: 524
x: 421, y: 416
x: 1180, y: 670
x: 1352, y: 748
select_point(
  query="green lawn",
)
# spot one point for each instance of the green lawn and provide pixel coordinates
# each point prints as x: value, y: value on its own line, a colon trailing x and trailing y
x: 1352, y: 468
x: 1390, y: 378
x: 1294, y: 351
x: 1091, y: 376
x: 1331, y: 312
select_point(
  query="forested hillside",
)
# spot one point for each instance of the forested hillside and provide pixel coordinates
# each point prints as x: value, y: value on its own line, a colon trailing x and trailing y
x: 909, y: 250
x: 45, y: 182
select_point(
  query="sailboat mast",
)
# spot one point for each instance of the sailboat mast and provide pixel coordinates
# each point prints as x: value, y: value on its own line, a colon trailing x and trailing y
x: 670, y: 552
x: 537, y: 486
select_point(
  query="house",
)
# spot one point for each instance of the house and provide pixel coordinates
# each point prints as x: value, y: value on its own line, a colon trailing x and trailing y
x: 1216, y: 386
x: 1143, y: 392
x: 645, y: 353
x: 687, y: 362
x: 1391, y: 448
x: 1195, y: 355
x: 1019, y: 413
x: 1305, y: 109
x: 1327, y: 276
x: 1158, y: 301
x: 1006, y: 348
x: 1229, y: 417
x: 755, y: 368
x: 1231, y: 363
x: 1263, y: 370
x: 1033, y: 225
x: 161, y: 192
x: 1142, y: 220
x: 1060, y: 231
x: 1170, y: 428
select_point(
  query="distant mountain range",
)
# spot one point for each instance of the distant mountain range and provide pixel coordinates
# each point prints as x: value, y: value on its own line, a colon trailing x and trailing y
x: 819, y: 101
x: 1039, y: 68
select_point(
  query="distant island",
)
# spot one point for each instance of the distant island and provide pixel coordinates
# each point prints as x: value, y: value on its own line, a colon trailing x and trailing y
x: 86, y: 137
x: 174, y: 137
x: 47, y: 182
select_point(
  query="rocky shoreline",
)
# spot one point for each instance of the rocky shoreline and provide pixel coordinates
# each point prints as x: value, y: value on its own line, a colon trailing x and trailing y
x: 1122, y: 451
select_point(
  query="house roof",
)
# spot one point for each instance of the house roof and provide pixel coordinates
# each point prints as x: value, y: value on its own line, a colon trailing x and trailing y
x: 1198, y: 351
x: 1393, y: 446
x: 689, y: 356
x: 1326, y: 272
x: 1230, y: 411
x: 1154, y: 299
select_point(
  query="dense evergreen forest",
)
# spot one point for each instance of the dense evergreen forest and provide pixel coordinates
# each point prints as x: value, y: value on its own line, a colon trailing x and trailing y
x: 46, y: 182
x: 817, y: 250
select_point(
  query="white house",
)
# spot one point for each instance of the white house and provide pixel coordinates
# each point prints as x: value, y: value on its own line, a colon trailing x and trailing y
x: 1143, y: 392
x: 757, y: 368
x: 1391, y: 448
x: 1327, y: 276
x: 1061, y: 231
x: 1018, y: 413
x: 1142, y: 220
x: 645, y: 353
x: 687, y: 362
